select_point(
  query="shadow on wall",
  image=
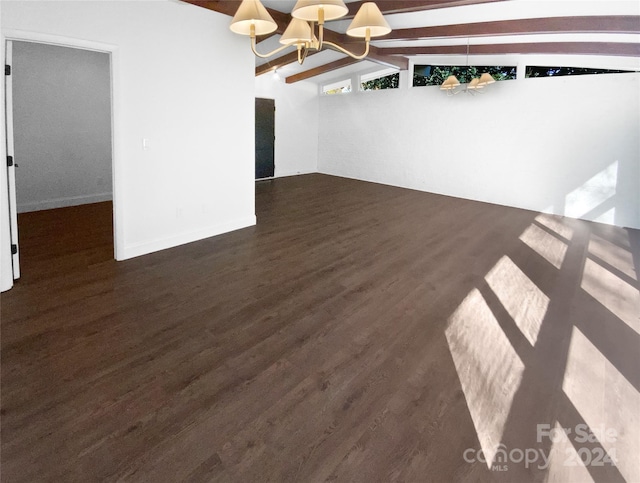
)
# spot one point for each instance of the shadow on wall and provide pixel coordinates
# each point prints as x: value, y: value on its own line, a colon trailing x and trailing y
x: 556, y: 343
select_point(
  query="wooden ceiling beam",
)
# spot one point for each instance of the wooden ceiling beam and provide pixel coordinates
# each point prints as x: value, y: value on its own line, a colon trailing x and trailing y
x: 579, y: 48
x: 597, y: 24
x: 229, y: 7
x: 379, y: 56
x: 307, y: 74
x: 404, y: 6
x: 356, y: 45
x: 375, y: 55
x: 276, y: 63
x: 338, y: 38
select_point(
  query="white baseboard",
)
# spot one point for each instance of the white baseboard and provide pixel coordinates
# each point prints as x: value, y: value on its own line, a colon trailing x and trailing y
x: 284, y: 174
x: 144, y: 248
x: 64, y: 202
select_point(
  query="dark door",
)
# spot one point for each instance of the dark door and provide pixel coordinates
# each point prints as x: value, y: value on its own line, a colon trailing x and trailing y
x: 265, y: 138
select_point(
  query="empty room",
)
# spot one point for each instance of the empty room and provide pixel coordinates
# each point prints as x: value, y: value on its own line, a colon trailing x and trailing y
x: 280, y: 240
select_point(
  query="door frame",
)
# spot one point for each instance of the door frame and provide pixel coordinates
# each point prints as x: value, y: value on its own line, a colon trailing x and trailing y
x: 117, y: 167
x: 11, y: 170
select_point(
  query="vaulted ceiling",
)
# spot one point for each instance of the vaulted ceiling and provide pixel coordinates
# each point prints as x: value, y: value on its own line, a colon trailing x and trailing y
x: 447, y: 31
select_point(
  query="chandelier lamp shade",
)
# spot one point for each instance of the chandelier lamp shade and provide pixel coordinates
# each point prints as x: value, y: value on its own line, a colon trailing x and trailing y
x: 450, y: 83
x: 486, y: 79
x: 253, y: 19
x: 309, y: 10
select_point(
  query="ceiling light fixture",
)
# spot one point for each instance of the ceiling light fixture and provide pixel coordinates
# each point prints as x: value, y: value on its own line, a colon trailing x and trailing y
x: 253, y: 19
x: 474, y: 86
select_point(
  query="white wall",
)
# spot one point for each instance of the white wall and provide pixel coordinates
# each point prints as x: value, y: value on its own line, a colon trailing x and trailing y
x: 181, y: 80
x: 296, y: 145
x: 566, y: 145
x: 62, y: 125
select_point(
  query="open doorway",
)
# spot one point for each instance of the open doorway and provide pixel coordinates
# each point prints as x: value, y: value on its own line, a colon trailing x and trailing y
x: 61, y: 145
x: 265, y: 138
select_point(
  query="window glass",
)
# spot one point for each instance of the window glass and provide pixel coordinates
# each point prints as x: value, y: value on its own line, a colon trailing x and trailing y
x: 339, y: 87
x: 378, y: 81
x: 539, y: 71
x: 435, y: 75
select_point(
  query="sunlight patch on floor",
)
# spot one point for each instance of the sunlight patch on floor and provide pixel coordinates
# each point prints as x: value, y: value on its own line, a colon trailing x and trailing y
x: 612, y: 254
x: 606, y: 401
x: 521, y: 298
x: 488, y: 367
x: 565, y: 465
x: 549, y: 247
x: 620, y: 298
x: 554, y: 223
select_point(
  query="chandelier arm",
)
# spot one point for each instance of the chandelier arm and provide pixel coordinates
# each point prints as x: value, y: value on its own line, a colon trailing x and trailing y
x: 367, y: 40
x: 303, y: 50
x: 306, y: 52
x: 264, y: 56
x: 350, y: 54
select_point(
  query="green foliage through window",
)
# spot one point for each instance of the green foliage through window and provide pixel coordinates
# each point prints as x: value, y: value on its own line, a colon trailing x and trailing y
x: 435, y: 75
x: 537, y: 71
x: 387, y: 82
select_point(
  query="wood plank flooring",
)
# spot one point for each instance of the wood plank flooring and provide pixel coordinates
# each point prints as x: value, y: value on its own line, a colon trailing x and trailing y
x: 359, y: 332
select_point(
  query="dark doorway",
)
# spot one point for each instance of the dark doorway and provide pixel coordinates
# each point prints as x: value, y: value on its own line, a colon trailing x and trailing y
x: 265, y: 138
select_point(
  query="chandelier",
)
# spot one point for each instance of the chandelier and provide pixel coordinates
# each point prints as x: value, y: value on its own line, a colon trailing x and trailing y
x: 451, y: 82
x: 253, y: 19
x: 477, y: 83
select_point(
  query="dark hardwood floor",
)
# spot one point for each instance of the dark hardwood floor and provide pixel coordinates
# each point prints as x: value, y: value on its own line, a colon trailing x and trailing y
x: 359, y: 332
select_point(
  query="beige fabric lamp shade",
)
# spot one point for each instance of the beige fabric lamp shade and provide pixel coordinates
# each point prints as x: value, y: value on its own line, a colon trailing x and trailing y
x: 298, y: 31
x: 475, y: 84
x: 368, y: 17
x: 451, y: 83
x: 252, y: 12
x: 308, y: 9
x: 486, y: 79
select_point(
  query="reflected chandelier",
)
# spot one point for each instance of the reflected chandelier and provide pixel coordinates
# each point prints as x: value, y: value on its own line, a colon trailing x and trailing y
x: 253, y: 19
x: 451, y: 82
